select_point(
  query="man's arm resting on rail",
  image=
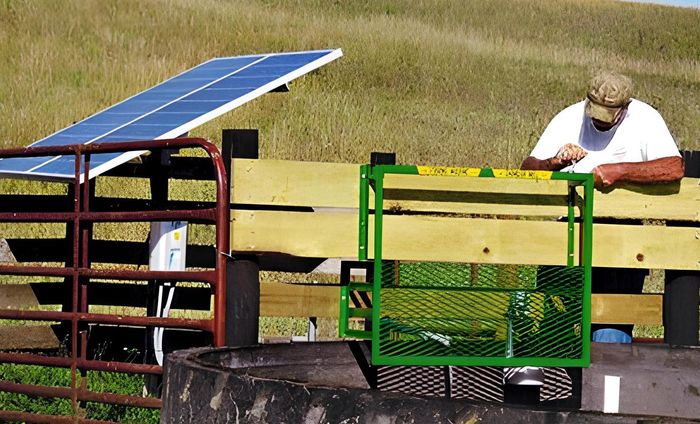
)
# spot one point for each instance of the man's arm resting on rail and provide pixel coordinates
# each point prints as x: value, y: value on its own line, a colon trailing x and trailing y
x: 662, y: 170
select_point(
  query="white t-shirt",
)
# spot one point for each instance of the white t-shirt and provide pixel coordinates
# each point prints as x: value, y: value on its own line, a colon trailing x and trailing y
x: 642, y: 135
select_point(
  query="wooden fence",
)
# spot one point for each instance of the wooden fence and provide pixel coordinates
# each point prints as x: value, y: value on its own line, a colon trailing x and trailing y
x: 309, y: 210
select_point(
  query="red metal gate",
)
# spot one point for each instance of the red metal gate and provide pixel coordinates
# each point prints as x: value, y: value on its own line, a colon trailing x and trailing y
x: 79, y: 273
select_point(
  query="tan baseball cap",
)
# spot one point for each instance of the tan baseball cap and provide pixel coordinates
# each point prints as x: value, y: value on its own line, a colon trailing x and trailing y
x: 608, y: 93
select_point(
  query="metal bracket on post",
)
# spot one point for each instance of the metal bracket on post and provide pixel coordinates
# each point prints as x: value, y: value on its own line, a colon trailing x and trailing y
x: 379, y: 158
x: 243, y: 271
x: 691, y: 160
x: 238, y: 144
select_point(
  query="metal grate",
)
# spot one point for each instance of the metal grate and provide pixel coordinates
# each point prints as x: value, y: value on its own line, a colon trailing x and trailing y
x: 455, y: 310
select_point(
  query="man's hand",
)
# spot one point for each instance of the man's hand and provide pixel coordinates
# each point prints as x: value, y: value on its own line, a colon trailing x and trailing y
x: 570, y: 153
x: 601, y: 178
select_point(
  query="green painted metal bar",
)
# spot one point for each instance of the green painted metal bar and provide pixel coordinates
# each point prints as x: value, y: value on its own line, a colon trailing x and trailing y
x: 359, y: 334
x: 360, y: 312
x: 343, y: 319
x: 570, y: 176
x: 364, y: 212
x: 378, y: 176
x: 588, y: 268
x: 481, y: 361
x: 366, y: 287
x: 487, y: 173
x: 571, y: 202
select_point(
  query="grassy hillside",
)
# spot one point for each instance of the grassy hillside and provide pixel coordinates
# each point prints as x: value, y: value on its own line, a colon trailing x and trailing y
x: 440, y: 82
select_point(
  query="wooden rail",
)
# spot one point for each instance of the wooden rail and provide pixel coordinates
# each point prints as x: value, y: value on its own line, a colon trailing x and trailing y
x: 335, y: 185
x: 295, y: 300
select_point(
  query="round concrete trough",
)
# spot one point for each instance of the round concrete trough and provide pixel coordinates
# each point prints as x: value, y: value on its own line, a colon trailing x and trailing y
x: 314, y: 383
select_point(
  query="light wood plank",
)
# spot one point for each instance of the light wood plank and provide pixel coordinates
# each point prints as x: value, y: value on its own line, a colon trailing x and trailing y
x: 478, y: 208
x: 297, y: 300
x: 290, y: 300
x: 477, y: 196
x: 472, y: 240
x: 644, y: 309
x: 679, y: 201
x: 334, y: 185
x: 475, y: 184
x: 315, y: 235
x: 292, y: 183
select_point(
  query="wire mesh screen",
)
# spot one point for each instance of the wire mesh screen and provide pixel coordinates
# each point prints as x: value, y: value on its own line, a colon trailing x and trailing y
x: 479, y: 314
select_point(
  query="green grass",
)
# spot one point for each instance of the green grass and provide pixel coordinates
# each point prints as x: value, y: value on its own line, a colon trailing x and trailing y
x: 449, y: 82
x: 97, y: 381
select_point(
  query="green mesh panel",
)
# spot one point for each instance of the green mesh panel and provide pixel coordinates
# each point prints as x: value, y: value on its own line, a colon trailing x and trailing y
x: 454, y: 310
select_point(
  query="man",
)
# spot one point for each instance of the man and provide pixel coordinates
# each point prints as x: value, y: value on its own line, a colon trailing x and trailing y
x: 611, y: 135
x: 618, y: 139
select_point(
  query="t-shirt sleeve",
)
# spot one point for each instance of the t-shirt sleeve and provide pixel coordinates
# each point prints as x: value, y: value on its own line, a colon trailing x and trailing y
x: 562, y: 129
x: 659, y: 142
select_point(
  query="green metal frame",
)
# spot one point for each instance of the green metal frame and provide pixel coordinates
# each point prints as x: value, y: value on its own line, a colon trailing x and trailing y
x: 376, y: 175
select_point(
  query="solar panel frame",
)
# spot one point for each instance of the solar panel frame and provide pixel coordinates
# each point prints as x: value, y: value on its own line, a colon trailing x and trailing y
x: 104, y: 126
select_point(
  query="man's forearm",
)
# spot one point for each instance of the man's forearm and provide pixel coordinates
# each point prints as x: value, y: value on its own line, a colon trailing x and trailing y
x: 661, y: 170
x: 531, y: 163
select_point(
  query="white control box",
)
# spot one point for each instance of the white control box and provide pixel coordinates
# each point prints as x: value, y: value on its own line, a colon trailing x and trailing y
x: 168, y: 246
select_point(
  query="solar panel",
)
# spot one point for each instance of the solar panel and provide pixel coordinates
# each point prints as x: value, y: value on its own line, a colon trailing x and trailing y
x: 170, y: 109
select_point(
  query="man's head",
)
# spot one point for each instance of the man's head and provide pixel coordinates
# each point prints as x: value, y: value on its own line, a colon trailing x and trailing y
x: 608, y: 95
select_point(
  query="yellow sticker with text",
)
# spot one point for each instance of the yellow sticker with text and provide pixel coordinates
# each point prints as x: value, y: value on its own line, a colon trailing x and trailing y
x: 448, y: 171
x: 519, y: 173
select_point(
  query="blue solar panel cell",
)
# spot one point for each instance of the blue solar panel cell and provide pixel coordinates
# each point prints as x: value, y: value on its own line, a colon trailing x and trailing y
x: 242, y: 82
x: 85, y: 131
x: 58, y: 165
x: 170, y: 119
x: 171, y: 108
x: 141, y: 132
x: 199, y: 107
x: 111, y: 118
x: 138, y: 107
x: 227, y: 63
x: 221, y: 95
x: 20, y: 165
x: 60, y: 139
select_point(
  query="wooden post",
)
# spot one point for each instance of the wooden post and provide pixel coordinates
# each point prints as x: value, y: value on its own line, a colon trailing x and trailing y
x: 681, y: 289
x: 243, y: 301
x: 243, y: 271
x: 681, y: 307
x: 158, y: 164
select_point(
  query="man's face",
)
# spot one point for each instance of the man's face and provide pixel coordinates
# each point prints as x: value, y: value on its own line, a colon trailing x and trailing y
x: 605, y: 126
